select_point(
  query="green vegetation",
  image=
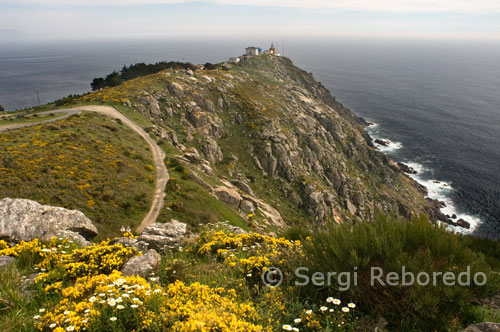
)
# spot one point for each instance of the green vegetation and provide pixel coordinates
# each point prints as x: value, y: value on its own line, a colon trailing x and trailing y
x: 90, y: 163
x: 235, y: 263
x: 189, y: 202
x: 133, y: 71
x: 28, y: 118
x: 418, y: 246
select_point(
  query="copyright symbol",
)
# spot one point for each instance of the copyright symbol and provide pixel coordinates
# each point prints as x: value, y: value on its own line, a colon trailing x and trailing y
x: 272, y: 277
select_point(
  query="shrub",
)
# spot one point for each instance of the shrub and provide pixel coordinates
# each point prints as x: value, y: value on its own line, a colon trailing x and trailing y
x: 419, y: 246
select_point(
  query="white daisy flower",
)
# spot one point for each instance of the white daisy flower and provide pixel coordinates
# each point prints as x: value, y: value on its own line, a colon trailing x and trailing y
x: 287, y: 327
x: 113, y: 319
x: 345, y: 309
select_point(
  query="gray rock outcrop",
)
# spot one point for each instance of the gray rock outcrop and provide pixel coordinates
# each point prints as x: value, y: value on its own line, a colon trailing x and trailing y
x: 5, y: 261
x: 142, y: 265
x: 228, y: 195
x: 163, y: 236
x: 25, y: 220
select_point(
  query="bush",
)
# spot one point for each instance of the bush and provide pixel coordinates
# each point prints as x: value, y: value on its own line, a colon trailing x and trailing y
x: 418, y: 246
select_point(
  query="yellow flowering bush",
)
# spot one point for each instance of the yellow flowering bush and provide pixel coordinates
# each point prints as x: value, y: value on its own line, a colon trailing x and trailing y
x: 201, y: 308
x: 250, y: 253
x: 32, y: 247
x: 102, y: 303
x: 116, y: 303
x: 92, y: 260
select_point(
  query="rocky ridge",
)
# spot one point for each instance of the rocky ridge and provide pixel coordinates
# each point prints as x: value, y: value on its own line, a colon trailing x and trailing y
x: 280, y: 140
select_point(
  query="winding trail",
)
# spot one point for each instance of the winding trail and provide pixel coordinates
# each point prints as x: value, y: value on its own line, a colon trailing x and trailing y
x: 162, y: 176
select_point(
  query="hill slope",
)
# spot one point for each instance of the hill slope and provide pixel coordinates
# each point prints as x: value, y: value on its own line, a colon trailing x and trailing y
x: 268, y: 130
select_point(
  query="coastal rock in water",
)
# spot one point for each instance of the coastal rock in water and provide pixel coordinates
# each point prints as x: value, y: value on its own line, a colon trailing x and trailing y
x: 25, y: 220
x: 6, y: 261
x: 382, y: 142
x: 407, y: 169
x: 142, y: 265
x: 463, y: 223
x: 483, y: 327
x: 162, y: 236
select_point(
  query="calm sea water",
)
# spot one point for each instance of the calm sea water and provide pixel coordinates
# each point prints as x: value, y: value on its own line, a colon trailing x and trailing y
x: 437, y: 102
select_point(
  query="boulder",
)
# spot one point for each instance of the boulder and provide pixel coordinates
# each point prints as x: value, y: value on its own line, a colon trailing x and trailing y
x: 176, y: 89
x: 406, y: 169
x: 6, y: 261
x: 130, y: 242
x: 149, y: 103
x: 212, y: 151
x: 382, y: 142
x: 25, y: 220
x: 483, y: 327
x: 142, y: 265
x: 243, y: 187
x: 247, y: 207
x: 162, y: 236
x: 228, y: 195
x: 463, y: 223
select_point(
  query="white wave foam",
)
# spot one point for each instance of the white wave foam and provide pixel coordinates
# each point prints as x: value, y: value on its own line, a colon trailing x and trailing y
x: 441, y: 191
x: 391, y: 146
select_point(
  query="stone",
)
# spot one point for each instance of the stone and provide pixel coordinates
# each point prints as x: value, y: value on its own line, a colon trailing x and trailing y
x: 483, y: 327
x: 236, y: 230
x: 25, y: 220
x: 463, y: 223
x: 243, y: 187
x: 130, y: 242
x: 149, y: 103
x: 247, y: 207
x: 176, y: 89
x: 228, y: 195
x: 161, y: 236
x: 5, y: 261
x: 351, y: 207
x: 212, y: 151
x: 142, y: 265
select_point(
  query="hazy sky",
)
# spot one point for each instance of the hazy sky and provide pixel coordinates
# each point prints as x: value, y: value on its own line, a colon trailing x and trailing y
x: 75, y: 19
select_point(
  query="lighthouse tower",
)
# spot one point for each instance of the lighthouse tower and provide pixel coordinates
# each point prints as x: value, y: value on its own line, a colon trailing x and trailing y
x: 272, y: 49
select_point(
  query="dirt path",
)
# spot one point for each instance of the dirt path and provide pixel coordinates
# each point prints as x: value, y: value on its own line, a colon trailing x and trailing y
x: 158, y: 154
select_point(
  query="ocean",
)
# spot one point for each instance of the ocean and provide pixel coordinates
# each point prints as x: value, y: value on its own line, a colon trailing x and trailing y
x: 436, y: 102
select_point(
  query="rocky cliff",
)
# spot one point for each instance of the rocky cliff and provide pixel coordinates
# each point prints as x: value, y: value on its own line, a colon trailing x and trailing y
x: 267, y: 138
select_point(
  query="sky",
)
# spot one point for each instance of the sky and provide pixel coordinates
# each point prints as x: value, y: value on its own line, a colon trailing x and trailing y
x: 279, y: 19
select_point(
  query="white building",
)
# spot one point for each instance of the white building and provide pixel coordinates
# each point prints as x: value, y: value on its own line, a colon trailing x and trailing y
x: 252, y: 50
x: 234, y: 60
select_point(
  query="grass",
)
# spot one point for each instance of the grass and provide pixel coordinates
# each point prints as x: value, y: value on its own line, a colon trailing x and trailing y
x: 90, y: 163
x: 189, y: 202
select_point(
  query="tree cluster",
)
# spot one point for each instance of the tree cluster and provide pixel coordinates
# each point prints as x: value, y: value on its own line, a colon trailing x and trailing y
x: 140, y: 69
